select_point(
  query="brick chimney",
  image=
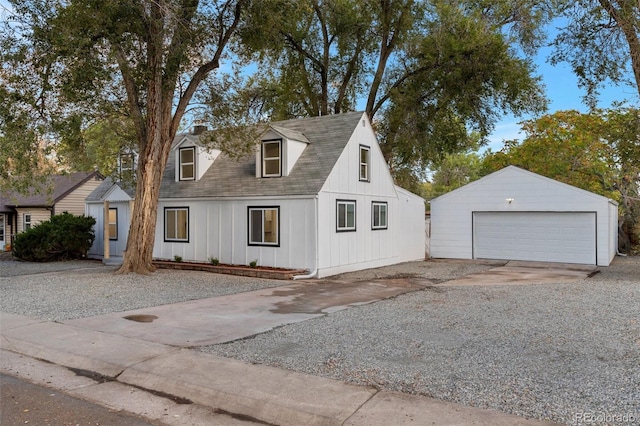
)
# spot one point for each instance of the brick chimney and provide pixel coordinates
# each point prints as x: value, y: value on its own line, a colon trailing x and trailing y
x: 199, y: 129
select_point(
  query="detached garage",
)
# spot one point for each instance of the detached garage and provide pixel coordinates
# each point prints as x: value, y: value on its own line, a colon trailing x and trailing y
x: 514, y: 214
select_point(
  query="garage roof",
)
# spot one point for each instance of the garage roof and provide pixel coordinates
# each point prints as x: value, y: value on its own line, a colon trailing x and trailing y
x: 517, y: 170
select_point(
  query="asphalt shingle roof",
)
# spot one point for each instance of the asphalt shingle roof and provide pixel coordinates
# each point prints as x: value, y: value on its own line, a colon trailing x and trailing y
x: 55, y: 188
x: 102, y: 189
x: 327, y: 137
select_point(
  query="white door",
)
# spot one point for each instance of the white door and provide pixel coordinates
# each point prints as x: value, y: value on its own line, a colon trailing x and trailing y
x: 535, y: 236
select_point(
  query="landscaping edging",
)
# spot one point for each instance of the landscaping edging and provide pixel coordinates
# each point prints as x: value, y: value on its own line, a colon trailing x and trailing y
x: 272, y: 274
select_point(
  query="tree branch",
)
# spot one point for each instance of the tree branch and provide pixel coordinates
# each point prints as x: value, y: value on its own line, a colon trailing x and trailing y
x: 132, y: 93
x: 206, y: 68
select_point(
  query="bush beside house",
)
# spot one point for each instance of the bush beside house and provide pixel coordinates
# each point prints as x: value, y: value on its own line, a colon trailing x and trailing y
x: 63, y: 237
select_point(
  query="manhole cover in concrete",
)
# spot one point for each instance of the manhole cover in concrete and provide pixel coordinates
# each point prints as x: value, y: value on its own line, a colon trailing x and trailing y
x: 141, y: 318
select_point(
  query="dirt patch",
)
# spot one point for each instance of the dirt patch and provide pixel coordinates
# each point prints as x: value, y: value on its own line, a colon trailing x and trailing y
x: 519, y: 275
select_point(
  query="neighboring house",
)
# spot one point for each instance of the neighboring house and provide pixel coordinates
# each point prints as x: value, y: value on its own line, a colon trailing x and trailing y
x: 63, y: 193
x: 316, y: 195
x: 514, y: 214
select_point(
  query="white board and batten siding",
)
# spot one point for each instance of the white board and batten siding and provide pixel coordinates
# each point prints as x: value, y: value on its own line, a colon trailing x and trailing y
x: 514, y: 214
x: 218, y: 225
x: 367, y: 248
x: 219, y: 229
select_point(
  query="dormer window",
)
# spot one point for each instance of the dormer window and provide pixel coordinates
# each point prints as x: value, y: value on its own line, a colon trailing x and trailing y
x: 187, y: 165
x: 365, y: 160
x: 272, y: 158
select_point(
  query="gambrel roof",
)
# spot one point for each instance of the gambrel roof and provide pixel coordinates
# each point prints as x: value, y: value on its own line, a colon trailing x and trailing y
x: 327, y: 137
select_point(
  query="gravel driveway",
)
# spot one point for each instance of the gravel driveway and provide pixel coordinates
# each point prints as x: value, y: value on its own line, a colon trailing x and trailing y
x: 547, y: 351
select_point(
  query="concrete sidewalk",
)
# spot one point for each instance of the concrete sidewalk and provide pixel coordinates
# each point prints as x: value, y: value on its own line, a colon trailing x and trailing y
x: 234, y: 391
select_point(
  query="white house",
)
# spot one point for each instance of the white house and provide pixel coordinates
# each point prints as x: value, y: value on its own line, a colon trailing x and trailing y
x: 514, y: 214
x: 316, y: 195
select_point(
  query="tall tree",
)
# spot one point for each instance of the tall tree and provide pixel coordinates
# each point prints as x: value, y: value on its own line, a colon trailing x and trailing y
x: 311, y: 53
x: 454, y: 171
x: 460, y: 74
x: 601, y: 42
x: 143, y: 58
x: 429, y: 71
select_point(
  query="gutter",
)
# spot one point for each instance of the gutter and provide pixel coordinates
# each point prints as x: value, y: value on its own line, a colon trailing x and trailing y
x: 314, y: 273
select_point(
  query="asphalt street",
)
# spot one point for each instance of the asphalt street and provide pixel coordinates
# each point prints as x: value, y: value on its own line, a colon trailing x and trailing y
x: 23, y: 403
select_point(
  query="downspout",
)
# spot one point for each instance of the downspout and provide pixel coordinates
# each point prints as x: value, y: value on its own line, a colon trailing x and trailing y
x: 313, y: 273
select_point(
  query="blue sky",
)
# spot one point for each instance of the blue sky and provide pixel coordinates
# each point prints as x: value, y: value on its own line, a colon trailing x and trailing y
x: 563, y: 94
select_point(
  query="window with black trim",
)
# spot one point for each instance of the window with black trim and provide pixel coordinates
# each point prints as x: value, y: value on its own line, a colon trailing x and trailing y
x: 187, y: 163
x: 264, y: 226
x: 378, y: 215
x: 345, y: 215
x: 113, y: 223
x: 365, y: 160
x: 176, y: 224
x: 272, y: 158
x: 26, y: 222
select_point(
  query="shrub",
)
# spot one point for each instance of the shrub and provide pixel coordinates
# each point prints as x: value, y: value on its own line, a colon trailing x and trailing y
x: 214, y: 261
x: 63, y: 237
x: 177, y: 258
x: 254, y: 263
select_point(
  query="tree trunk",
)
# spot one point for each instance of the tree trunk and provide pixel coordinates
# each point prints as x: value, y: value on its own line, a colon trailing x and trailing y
x: 138, y: 257
x: 152, y: 162
x: 156, y: 127
x: 626, y: 19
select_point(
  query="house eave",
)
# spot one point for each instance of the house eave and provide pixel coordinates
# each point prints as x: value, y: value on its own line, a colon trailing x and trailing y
x: 241, y: 198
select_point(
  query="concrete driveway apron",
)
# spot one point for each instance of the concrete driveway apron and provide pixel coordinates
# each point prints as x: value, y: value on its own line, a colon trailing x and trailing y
x: 523, y: 273
x: 227, y: 318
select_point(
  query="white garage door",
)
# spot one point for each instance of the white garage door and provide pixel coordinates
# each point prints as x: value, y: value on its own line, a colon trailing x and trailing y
x: 535, y: 236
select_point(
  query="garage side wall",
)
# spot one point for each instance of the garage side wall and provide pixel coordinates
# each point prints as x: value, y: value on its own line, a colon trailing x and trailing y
x: 512, y: 190
x: 613, y: 230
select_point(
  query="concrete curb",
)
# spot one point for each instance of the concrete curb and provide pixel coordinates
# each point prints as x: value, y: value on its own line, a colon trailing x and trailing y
x: 220, y: 385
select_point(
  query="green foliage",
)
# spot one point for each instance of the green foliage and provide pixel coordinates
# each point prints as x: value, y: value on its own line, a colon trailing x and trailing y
x: 214, y: 261
x: 432, y: 72
x: 601, y: 43
x: 454, y: 171
x: 567, y: 146
x: 97, y: 146
x: 254, y: 263
x: 63, y: 237
x: 177, y: 258
x: 81, y: 66
x: 311, y: 54
x: 23, y: 154
x: 466, y: 75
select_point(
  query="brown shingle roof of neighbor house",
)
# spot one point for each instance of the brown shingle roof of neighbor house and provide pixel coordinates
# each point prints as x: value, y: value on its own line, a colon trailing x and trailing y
x: 327, y: 137
x: 53, y: 190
